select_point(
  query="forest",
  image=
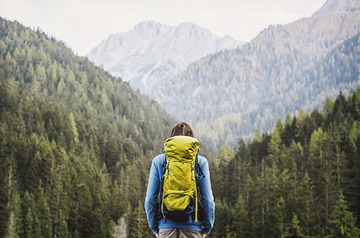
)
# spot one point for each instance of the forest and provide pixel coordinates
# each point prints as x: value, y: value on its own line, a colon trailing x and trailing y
x: 75, y: 142
x: 302, y: 180
x: 76, y: 146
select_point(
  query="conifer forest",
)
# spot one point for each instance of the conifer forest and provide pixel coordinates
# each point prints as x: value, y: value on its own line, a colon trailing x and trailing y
x: 76, y: 145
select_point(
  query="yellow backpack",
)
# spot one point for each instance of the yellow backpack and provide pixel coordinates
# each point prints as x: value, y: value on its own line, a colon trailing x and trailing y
x: 179, y: 195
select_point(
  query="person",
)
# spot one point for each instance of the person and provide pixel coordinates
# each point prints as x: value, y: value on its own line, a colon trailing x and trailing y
x: 166, y: 228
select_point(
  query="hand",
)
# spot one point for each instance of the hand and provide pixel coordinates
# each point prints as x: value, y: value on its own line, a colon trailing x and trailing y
x: 203, y: 235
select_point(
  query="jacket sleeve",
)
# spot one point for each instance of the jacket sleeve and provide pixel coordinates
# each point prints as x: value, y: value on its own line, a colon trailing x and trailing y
x: 208, y: 203
x: 151, y: 201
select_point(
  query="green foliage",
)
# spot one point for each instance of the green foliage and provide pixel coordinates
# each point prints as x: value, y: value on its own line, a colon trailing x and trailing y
x: 294, y: 230
x: 75, y: 143
x: 298, y: 169
x: 342, y: 222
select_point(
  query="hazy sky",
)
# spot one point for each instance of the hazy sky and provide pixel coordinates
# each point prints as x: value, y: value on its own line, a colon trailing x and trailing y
x: 83, y: 24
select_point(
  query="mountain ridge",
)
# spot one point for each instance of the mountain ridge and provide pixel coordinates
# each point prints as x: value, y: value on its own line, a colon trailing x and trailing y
x: 151, y: 52
x: 236, y: 91
x: 332, y: 6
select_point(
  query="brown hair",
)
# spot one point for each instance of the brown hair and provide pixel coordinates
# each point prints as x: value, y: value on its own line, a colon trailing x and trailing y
x: 182, y: 129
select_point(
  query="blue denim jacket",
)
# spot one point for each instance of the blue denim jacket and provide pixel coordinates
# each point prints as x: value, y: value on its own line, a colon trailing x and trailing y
x: 152, y: 201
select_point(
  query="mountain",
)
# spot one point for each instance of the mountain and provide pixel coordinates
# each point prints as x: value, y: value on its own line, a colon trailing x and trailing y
x: 332, y: 6
x: 151, y: 53
x: 232, y: 93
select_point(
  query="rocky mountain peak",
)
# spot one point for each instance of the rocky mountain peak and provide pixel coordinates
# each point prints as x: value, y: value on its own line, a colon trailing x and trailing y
x: 148, y: 29
x: 152, y: 52
x: 339, y: 6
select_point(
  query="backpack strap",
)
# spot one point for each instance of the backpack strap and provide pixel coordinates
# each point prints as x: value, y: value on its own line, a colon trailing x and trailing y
x: 198, y: 172
x: 163, y: 169
x: 198, y: 175
x: 161, y: 192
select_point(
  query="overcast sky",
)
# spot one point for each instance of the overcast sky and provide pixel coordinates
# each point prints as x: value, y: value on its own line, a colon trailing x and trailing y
x: 83, y: 24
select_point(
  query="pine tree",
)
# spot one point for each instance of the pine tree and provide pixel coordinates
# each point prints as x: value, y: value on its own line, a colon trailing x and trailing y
x: 223, y: 219
x: 140, y: 222
x: 241, y: 224
x: 353, y: 172
x: 62, y: 229
x: 309, y: 211
x: 275, y: 142
x: 300, y: 124
x: 280, y: 216
x: 10, y: 216
x: 73, y: 129
x: 294, y: 230
x: 342, y: 223
x: 14, y: 218
x: 43, y: 212
x: 322, y: 167
x: 32, y: 227
x: 11, y: 231
x: 287, y: 135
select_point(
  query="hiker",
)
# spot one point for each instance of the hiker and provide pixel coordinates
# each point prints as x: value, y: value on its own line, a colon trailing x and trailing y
x: 168, y: 213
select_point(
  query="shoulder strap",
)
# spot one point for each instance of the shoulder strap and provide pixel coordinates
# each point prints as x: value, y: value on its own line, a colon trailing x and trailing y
x: 164, y: 166
x: 198, y: 172
x: 163, y: 169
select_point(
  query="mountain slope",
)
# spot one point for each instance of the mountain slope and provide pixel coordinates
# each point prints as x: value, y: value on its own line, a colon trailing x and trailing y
x: 332, y: 6
x: 52, y: 71
x: 151, y: 53
x: 75, y: 142
x: 284, y: 68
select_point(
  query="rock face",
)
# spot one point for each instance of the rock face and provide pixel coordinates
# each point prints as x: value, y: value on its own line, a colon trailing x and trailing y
x: 151, y: 53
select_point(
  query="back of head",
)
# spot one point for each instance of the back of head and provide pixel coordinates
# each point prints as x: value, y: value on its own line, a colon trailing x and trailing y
x: 182, y: 129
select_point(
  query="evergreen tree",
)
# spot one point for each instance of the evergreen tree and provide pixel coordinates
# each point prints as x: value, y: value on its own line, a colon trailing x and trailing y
x: 13, y: 210
x: 43, y: 212
x: 32, y: 227
x: 309, y: 211
x: 242, y: 225
x: 280, y: 216
x: 322, y: 170
x: 12, y: 229
x: 223, y: 213
x: 74, y: 131
x: 342, y: 222
x: 294, y: 230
